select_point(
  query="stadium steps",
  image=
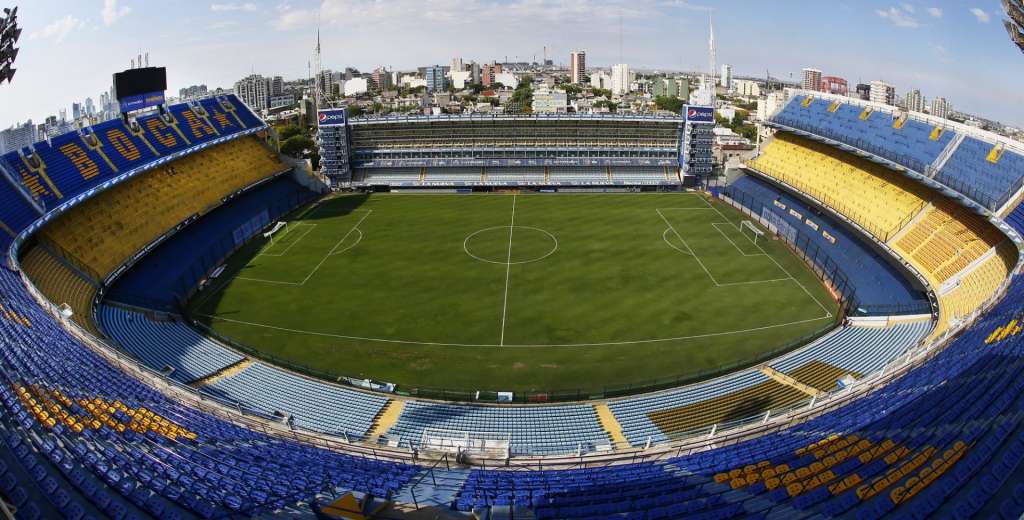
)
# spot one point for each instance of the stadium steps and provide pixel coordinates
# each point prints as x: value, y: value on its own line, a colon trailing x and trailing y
x: 788, y: 381
x: 611, y: 425
x: 913, y: 222
x: 948, y: 152
x: 433, y: 490
x: 227, y: 372
x: 385, y: 419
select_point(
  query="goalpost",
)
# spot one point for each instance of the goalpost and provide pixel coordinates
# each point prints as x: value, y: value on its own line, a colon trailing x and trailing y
x: 750, y: 231
x: 273, y: 231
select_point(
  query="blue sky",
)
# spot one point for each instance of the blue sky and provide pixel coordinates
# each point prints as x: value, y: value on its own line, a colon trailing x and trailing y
x: 954, y: 49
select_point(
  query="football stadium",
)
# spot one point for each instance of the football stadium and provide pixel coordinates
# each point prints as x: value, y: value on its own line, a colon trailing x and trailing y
x: 505, y: 316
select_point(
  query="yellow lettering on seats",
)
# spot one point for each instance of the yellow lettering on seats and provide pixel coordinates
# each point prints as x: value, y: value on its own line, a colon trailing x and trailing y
x: 198, y: 126
x: 161, y: 131
x: 222, y: 119
x: 86, y: 166
x: 123, y: 144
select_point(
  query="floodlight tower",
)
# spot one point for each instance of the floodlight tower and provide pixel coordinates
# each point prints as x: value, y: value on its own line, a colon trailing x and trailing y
x: 1015, y: 21
x: 9, y: 34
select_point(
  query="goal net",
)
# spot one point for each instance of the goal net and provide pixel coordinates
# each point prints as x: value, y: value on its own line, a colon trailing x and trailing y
x: 274, y: 230
x: 750, y: 231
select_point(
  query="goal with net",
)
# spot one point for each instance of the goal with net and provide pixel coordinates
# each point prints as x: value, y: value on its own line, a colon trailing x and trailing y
x: 274, y: 230
x: 750, y: 231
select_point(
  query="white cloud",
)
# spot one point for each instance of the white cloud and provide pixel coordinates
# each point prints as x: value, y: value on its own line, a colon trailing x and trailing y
x: 980, y: 14
x: 898, y: 17
x: 111, y: 12
x: 935, y: 12
x: 58, y: 29
x: 248, y: 6
x: 907, y: 7
x: 223, y: 25
x: 289, y: 18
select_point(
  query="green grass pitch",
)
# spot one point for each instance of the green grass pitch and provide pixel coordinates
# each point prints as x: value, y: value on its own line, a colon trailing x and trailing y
x: 526, y: 292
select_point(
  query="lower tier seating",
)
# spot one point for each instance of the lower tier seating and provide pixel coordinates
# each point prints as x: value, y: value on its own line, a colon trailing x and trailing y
x: 83, y: 439
x: 312, y: 404
x: 170, y: 273
x: 538, y: 430
x: 162, y: 341
x: 914, y: 448
x: 877, y: 286
x: 105, y: 230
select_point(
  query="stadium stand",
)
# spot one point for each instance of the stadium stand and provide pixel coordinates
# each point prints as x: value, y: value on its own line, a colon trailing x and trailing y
x: 104, y: 231
x: 84, y: 438
x: 167, y: 276
x: 531, y: 430
x: 530, y: 150
x: 162, y: 341
x: 945, y: 240
x: 910, y: 144
x: 913, y: 445
x: 983, y: 172
x: 848, y: 184
x: 313, y: 405
x: 878, y: 287
x: 61, y: 285
x: 987, y: 171
x: 943, y: 437
x: 59, y: 169
x: 662, y: 416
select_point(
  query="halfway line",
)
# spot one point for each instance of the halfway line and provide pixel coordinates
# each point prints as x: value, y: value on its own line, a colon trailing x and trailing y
x: 508, y: 268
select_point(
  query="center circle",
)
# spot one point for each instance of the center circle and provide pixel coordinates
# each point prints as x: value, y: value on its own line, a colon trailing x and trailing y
x: 495, y: 246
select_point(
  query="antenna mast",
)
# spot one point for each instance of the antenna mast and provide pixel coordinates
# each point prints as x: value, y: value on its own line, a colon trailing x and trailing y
x: 711, y: 57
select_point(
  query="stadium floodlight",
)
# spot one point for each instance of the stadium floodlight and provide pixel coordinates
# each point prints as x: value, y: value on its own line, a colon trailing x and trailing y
x: 1014, y: 24
x: 9, y: 35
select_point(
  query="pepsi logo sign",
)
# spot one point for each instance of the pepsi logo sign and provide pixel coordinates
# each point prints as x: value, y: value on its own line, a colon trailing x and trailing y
x: 332, y: 117
x: 700, y: 114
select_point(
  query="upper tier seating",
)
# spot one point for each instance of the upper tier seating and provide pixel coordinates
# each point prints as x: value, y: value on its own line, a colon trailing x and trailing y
x: 970, y: 172
x: 104, y: 231
x: 945, y: 240
x: 977, y: 168
x: 61, y: 284
x: 878, y: 287
x: 166, y: 342
x: 911, y: 145
x: 169, y: 274
x: 847, y: 184
x: 69, y: 164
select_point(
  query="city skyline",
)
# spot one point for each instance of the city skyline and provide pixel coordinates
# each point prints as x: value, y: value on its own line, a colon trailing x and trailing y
x: 949, y: 49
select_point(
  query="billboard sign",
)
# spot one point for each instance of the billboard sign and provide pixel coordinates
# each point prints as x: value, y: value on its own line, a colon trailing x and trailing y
x: 332, y: 117
x: 141, y: 101
x: 695, y: 114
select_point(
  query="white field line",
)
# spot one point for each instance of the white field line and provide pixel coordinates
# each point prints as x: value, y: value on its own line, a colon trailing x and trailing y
x: 336, y: 246
x: 333, y: 250
x: 441, y: 344
x: 508, y: 269
x: 724, y: 234
x: 689, y: 250
x: 309, y: 228
x: 828, y: 313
